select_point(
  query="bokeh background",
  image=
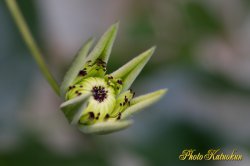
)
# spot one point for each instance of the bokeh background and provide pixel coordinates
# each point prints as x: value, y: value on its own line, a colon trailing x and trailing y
x: 202, y: 57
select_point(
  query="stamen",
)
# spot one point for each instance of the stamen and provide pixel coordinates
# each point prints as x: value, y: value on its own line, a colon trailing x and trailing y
x: 119, y: 116
x: 98, y: 115
x: 106, y: 116
x: 82, y: 73
x: 110, y: 77
x: 99, y: 93
x: 119, y: 82
x: 126, y: 99
x: 72, y: 87
x: 91, y: 116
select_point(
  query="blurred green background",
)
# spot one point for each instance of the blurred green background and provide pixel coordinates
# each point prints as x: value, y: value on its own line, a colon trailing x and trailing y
x: 202, y: 57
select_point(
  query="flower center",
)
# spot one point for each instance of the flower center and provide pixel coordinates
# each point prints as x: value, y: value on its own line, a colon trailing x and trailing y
x: 99, y: 93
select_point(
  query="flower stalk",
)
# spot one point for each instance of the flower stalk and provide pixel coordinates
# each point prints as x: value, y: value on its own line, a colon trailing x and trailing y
x: 30, y: 42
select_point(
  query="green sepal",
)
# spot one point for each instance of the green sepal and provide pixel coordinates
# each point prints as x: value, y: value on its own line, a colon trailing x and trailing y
x: 105, y: 127
x: 104, y: 46
x: 75, y: 67
x: 73, y: 108
x: 132, y: 69
x: 141, y: 102
x: 101, y: 51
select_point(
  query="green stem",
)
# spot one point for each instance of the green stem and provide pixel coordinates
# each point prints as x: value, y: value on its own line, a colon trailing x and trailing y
x: 30, y: 42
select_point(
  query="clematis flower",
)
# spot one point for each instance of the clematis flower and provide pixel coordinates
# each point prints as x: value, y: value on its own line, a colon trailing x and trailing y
x: 100, y: 103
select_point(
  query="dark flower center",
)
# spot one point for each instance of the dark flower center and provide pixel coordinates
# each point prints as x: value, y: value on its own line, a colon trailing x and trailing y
x: 99, y: 93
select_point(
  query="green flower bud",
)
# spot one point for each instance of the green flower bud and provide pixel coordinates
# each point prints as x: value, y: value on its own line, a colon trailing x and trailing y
x: 101, y: 103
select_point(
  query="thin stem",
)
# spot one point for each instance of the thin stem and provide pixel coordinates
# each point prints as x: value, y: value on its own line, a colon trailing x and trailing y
x: 30, y: 42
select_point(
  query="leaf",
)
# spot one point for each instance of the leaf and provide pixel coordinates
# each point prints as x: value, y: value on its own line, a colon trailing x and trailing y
x: 142, y: 102
x: 75, y: 66
x: 104, y: 46
x: 105, y: 127
x: 73, y: 108
x: 132, y: 69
